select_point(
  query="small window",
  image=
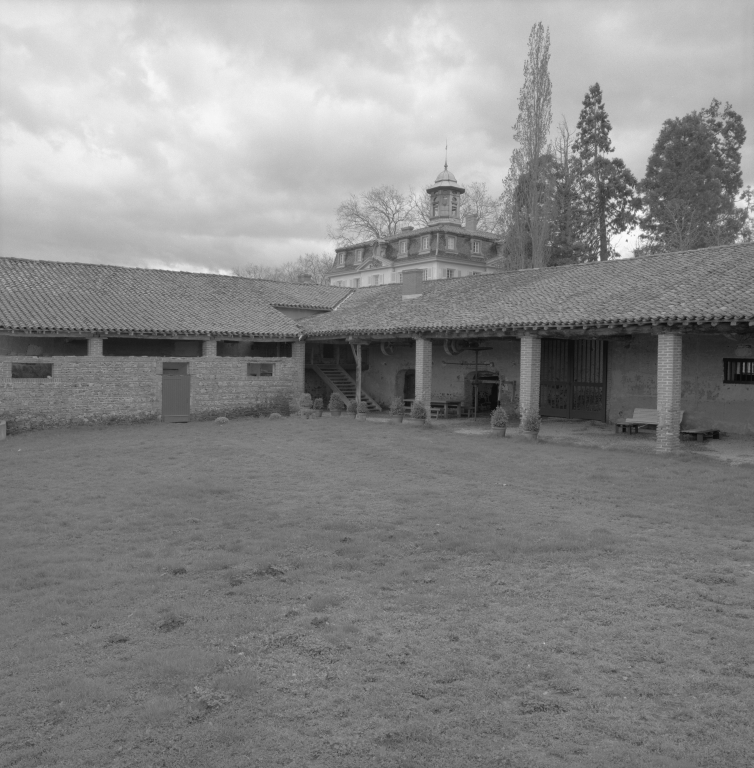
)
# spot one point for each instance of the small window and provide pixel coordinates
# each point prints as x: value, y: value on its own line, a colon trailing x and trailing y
x: 339, y: 283
x: 31, y: 371
x: 475, y: 246
x: 341, y: 259
x: 450, y: 273
x: 451, y: 243
x: 738, y: 371
x: 400, y: 277
x: 436, y: 208
x: 358, y: 255
x: 357, y: 282
x: 425, y: 242
x: 377, y: 280
x: 476, y: 273
x: 454, y: 205
x: 260, y: 369
x: 403, y: 247
x: 426, y: 274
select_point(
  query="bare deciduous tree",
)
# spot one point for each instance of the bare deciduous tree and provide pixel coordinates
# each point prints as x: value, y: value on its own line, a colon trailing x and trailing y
x: 372, y: 215
x: 312, y: 264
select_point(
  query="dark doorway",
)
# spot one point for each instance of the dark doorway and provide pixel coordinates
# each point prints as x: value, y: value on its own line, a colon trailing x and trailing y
x: 409, y: 385
x: 573, y: 382
x: 176, y: 392
x: 485, y: 391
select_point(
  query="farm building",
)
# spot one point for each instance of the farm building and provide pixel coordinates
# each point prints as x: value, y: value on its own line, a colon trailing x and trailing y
x: 673, y: 332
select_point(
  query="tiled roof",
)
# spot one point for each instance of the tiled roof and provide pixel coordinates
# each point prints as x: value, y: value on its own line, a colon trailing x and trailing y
x: 68, y: 298
x: 711, y: 284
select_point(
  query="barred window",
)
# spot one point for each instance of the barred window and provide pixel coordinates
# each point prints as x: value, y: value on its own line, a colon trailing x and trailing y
x: 738, y: 371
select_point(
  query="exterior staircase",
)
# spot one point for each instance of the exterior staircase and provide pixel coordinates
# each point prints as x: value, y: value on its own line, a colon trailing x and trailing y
x: 339, y: 381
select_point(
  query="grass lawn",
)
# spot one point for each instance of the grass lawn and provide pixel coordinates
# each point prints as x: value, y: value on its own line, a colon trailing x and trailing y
x: 333, y: 593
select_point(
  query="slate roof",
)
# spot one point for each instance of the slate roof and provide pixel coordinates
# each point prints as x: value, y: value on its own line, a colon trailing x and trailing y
x: 711, y: 284
x: 48, y: 296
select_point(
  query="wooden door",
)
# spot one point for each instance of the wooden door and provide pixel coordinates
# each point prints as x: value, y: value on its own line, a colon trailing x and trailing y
x: 176, y: 392
x: 573, y: 381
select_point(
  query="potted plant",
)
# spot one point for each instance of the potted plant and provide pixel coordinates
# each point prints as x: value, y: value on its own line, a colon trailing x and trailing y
x: 336, y: 405
x: 361, y: 411
x: 397, y: 409
x: 498, y: 421
x: 530, y: 424
x: 318, y: 406
x: 417, y: 415
x: 305, y: 405
x: 351, y: 409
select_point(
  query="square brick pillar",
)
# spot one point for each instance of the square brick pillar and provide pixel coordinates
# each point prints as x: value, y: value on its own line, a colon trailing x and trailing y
x: 669, y: 346
x: 298, y: 358
x: 531, y: 365
x: 209, y: 348
x: 423, y: 370
x: 94, y: 347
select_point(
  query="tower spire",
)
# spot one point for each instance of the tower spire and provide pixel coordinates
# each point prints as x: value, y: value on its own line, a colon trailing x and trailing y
x: 446, y: 153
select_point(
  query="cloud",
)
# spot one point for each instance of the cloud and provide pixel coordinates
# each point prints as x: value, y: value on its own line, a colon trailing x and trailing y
x: 207, y: 133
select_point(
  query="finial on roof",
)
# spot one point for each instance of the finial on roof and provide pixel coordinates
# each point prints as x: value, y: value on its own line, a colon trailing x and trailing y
x: 446, y: 153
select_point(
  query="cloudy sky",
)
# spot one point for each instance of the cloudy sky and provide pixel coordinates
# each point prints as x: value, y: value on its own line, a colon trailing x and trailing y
x: 207, y: 135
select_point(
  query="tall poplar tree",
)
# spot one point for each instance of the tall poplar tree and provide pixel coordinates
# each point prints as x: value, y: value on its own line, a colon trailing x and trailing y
x: 608, y: 197
x: 528, y: 188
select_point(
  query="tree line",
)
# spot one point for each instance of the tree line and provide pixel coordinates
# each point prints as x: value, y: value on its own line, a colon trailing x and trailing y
x: 567, y: 199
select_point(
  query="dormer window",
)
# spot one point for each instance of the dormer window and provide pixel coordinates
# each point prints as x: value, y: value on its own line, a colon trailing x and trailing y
x: 341, y: 259
x: 358, y: 255
x: 403, y: 248
x: 451, y: 243
x: 425, y: 242
x: 476, y: 246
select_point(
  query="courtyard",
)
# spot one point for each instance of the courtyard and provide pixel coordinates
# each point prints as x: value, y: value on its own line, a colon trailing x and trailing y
x: 336, y: 593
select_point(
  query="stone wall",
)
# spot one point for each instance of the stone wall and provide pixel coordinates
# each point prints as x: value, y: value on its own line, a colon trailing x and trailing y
x: 705, y: 400
x: 121, y: 389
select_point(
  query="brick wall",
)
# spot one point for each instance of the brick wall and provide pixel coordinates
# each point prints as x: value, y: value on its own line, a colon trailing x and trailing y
x: 120, y: 389
x: 669, y: 346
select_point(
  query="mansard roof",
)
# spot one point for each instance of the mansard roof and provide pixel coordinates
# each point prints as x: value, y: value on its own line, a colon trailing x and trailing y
x: 58, y: 297
x: 710, y: 285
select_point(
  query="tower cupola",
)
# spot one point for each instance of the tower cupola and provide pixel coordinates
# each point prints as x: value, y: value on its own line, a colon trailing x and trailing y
x: 445, y: 198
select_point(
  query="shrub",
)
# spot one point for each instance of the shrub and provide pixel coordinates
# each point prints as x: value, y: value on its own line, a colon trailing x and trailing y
x: 305, y: 401
x: 397, y: 408
x: 319, y: 404
x: 418, y: 410
x: 361, y: 407
x: 499, y: 417
x: 530, y: 422
x: 351, y: 407
x: 336, y: 402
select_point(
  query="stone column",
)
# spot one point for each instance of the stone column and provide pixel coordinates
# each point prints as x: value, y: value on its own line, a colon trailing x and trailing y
x: 423, y: 371
x: 94, y: 347
x: 669, y: 346
x: 531, y: 364
x: 209, y: 348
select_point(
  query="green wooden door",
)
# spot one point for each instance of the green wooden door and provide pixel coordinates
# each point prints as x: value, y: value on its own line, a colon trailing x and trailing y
x: 176, y: 392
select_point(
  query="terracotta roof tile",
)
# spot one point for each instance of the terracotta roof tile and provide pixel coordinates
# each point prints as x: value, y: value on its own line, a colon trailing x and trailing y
x: 69, y: 297
x: 707, y: 284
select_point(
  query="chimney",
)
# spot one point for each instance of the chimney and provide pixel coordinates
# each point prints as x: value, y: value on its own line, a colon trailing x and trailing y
x: 471, y: 221
x: 407, y: 229
x: 412, y: 283
x: 304, y: 278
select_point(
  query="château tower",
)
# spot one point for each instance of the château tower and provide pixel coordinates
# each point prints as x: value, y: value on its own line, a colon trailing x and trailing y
x: 445, y: 199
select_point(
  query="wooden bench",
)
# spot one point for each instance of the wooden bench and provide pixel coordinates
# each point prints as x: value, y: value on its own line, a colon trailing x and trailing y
x: 702, y: 434
x: 642, y: 417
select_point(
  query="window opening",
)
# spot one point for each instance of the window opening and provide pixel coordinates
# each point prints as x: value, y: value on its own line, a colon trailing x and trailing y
x: 31, y: 371
x: 475, y: 246
x: 260, y: 369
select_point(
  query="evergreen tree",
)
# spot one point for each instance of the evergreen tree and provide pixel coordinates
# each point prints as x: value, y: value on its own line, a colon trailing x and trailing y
x: 607, y: 189
x: 692, y: 182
